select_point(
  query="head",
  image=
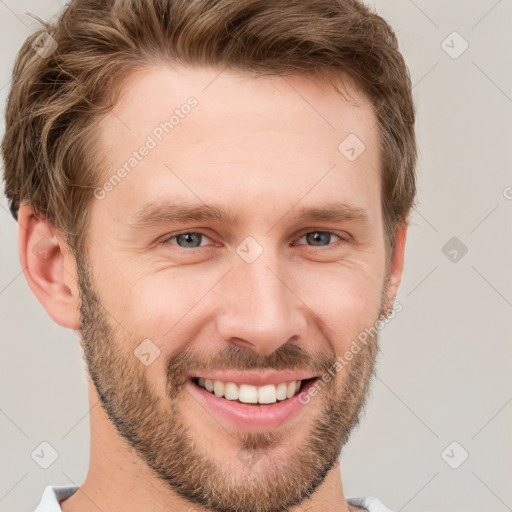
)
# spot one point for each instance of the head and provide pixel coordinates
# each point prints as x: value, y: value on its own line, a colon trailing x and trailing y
x: 176, y: 168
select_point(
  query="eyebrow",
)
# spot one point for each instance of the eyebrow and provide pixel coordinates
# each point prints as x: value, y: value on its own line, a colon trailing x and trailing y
x: 163, y: 212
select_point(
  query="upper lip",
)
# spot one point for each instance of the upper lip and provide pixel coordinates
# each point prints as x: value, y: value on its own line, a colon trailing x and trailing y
x: 256, y: 378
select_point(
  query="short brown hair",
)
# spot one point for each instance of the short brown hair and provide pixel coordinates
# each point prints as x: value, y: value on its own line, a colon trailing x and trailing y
x: 50, y: 156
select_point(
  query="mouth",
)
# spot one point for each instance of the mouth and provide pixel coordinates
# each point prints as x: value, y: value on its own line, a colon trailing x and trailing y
x: 248, y: 406
x: 250, y: 394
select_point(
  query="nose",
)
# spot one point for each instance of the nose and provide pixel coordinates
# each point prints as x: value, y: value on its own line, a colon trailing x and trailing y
x: 260, y: 309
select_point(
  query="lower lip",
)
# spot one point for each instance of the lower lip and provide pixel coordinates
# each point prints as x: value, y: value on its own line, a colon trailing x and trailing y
x: 246, y: 416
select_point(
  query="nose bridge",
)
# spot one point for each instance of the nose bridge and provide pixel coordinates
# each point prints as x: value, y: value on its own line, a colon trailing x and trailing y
x: 260, y: 308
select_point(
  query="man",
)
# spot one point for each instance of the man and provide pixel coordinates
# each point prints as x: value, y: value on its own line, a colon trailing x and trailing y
x: 215, y: 196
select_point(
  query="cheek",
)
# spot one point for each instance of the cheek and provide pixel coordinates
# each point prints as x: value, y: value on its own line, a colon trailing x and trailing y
x: 160, y: 307
x: 345, y: 299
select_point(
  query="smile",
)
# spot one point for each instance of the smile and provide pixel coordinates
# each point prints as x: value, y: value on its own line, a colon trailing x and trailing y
x: 249, y: 394
x: 251, y: 401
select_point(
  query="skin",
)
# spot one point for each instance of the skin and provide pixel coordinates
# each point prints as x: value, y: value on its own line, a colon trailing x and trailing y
x: 249, y: 142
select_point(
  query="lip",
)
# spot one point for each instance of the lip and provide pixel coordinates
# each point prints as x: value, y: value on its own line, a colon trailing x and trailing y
x: 249, y: 417
x: 256, y: 378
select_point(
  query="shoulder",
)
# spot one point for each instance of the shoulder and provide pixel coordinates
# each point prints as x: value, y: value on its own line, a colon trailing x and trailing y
x: 53, y: 495
x: 367, y: 504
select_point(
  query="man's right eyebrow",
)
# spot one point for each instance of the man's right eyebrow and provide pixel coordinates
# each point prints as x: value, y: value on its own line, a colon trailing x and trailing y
x: 158, y: 213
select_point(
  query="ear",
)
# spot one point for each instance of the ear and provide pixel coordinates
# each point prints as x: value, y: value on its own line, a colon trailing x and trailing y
x: 396, y: 265
x: 49, y: 267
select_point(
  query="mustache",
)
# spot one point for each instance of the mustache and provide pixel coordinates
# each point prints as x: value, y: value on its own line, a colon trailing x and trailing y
x: 233, y: 357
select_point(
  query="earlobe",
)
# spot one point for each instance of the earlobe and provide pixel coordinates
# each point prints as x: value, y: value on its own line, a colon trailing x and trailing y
x: 49, y: 267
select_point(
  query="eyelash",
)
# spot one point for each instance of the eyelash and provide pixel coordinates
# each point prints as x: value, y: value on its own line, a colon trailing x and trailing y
x: 343, y: 239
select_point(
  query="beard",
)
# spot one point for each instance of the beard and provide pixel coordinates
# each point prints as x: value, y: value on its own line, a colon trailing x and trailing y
x: 152, y: 425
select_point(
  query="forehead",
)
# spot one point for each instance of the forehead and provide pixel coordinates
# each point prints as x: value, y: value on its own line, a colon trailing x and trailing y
x: 207, y: 127
x: 150, y: 95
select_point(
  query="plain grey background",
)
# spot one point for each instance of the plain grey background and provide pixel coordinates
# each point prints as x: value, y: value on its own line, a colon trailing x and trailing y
x: 443, y: 391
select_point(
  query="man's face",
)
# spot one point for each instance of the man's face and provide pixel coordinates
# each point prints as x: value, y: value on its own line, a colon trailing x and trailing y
x: 265, y: 298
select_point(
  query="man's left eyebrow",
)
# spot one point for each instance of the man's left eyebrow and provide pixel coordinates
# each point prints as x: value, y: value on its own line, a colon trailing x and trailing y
x: 334, y: 212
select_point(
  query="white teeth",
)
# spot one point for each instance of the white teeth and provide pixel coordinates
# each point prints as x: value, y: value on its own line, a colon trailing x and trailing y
x: 231, y: 391
x: 267, y: 394
x: 218, y: 388
x: 246, y: 393
x: 208, y: 384
x: 291, y: 388
x: 281, y: 391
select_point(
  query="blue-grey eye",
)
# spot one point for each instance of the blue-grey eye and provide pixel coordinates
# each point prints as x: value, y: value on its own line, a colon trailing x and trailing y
x: 319, y: 238
x: 188, y: 240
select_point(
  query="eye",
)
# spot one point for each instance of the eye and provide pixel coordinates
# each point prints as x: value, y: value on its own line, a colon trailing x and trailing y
x: 321, y: 238
x: 193, y: 239
x: 186, y: 240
